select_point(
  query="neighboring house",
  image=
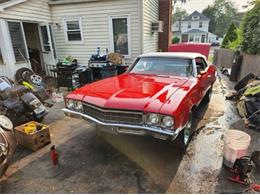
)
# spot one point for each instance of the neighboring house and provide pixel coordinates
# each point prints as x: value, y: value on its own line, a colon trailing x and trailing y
x: 193, y: 28
x: 48, y: 31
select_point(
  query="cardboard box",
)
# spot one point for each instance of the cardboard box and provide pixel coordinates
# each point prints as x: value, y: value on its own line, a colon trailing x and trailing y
x: 33, y: 141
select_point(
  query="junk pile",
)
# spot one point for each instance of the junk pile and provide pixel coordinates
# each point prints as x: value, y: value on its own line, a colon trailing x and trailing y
x: 242, y: 166
x: 247, y: 96
x: 27, y: 97
x: 33, y: 135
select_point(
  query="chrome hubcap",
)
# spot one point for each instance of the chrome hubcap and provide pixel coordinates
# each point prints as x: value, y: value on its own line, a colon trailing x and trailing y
x: 187, y: 133
x: 210, y: 93
x: 36, y: 79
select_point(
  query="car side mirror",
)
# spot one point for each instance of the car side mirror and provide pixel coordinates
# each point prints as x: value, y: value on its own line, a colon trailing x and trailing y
x: 201, y: 74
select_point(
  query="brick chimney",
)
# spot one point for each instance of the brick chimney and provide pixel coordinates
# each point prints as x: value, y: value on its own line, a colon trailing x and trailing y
x: 165, y: 15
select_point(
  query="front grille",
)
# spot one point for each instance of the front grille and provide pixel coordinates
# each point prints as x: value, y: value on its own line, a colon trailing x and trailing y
x: 113, y: 116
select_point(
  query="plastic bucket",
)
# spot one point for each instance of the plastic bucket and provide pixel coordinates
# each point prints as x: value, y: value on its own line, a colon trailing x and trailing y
x: 236, y: 145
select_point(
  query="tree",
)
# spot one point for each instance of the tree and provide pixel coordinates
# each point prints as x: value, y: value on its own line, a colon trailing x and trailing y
x: 178, y: 15
x: 175, y: 1
x: 230, y: 36
x: 251, y: 30
x: 221, y: 15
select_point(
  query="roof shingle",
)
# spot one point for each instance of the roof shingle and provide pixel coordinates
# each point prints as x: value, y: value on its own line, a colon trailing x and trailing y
x: 196, y: 13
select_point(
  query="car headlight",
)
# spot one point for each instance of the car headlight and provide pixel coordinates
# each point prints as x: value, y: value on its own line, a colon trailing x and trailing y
x: 78, y: 106
x: 70, y: 104
x: 153, y: 119
x: 167, y: 121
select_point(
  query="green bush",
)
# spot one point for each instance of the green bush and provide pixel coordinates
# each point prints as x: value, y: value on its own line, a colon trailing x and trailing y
x: 230, y: 36
x: 175, y: 40
x: 236, y: 44
x: 251, y: 30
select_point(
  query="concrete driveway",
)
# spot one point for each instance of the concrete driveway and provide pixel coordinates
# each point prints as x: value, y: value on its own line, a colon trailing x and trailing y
x: 92, y: 162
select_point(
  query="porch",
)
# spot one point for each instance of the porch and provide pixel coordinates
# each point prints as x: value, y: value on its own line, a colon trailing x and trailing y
x: 25, y: 44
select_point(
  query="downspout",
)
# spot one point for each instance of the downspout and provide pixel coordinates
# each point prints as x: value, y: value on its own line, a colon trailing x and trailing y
x: 141, y: 25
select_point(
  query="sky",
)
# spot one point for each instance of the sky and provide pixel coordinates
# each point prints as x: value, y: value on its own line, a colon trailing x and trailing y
x: 199, y: 5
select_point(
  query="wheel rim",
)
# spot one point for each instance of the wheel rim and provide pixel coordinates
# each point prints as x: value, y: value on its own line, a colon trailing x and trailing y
x: 36, y: 79
x: 210, y: 93
x: 24, y: 74
x: 187, y: 132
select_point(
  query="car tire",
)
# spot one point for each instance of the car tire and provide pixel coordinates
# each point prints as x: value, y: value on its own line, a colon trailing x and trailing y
x: 208, y: 95
x: 22, y: 74
x: 243, y: 82
x: 185, y: 135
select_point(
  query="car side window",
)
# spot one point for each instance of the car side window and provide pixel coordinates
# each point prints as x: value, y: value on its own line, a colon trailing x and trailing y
x: 201, y: 65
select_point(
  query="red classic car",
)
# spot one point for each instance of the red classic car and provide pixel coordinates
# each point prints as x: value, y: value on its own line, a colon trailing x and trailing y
x: 156, y: 96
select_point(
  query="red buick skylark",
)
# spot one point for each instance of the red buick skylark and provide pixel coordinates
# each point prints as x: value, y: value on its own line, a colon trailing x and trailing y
x: 156, y: 96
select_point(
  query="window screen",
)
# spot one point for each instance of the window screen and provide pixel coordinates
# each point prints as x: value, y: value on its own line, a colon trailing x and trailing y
x: 17, y: 39
x: 120, y: 35
x: 45, y: 38
x: 73, y: 30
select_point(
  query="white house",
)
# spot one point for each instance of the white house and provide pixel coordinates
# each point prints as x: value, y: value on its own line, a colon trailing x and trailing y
x: 193, y: 28
x: 48, y: 30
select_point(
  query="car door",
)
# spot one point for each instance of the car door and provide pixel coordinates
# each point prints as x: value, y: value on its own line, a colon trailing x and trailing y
x: 203, y: 76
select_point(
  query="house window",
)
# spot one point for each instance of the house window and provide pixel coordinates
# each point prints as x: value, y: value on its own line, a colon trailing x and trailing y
x: 45, y: 38
x: 200, y: 25
x: 120, y: 35
x: 73, y: 30
x: 189, y: 25
x: 195, y: 17
x: 191, y: 38
x: 18, y: 43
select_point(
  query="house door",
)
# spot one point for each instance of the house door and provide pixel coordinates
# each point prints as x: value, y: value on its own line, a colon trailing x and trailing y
x: 47, y: 44
x: 185, y: 38
x: 203, y: 38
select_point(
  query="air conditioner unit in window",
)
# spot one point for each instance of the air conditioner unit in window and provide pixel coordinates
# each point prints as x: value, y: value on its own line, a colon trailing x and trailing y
x: 157, y: 26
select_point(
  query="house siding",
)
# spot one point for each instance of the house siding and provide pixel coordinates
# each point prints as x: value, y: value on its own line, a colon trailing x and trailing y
x: 31, y: 10
x: 194, y: 25
x: 95, y: 24
x: 150, y: 15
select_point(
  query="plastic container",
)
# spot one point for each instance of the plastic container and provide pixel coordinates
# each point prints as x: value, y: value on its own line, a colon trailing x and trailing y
x: 236, y: 145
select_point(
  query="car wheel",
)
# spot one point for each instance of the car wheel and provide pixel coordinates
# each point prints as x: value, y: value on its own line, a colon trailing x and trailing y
x: 22, y: 73
x: 185, y: 135
x: 34, y: 79
x: 208, y: 95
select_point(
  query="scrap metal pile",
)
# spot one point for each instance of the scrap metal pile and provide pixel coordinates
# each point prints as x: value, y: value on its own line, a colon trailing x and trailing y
x: 25, y: 98
x: 247, y: 96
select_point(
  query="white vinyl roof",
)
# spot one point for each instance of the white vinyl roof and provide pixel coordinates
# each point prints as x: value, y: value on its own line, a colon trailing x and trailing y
x: 186, y: 55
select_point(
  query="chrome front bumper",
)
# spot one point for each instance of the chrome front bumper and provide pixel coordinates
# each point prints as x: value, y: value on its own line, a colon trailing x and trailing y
x: 119, y: 128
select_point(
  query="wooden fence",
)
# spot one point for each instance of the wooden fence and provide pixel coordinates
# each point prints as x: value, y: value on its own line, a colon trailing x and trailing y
x: 250, y: 64
x: 224, y: 58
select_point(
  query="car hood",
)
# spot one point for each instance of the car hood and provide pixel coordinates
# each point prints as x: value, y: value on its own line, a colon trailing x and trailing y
x: 130, y: 92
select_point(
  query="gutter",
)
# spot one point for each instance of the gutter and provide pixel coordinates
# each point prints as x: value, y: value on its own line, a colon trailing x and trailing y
x: 63, y: 2
x: 10, y: 4
x: 141, y: 24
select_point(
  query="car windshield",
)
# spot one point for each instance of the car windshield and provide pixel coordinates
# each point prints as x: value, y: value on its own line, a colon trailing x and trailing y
x: 163, y: 66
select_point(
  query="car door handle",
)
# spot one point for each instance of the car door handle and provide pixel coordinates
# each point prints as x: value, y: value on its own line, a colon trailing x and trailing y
x: 209, y: 76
